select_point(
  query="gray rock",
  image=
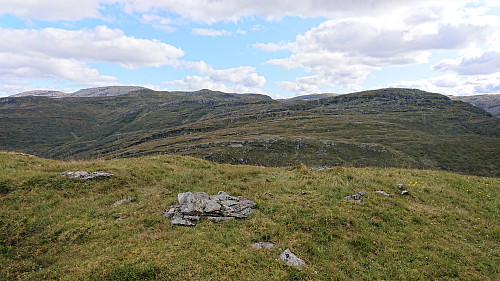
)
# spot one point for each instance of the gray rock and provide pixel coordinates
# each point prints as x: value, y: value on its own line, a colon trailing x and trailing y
x: 357, y: 197
x: 405, y: 192
x: 291, y: 259
x: 197, y: 206
x: 86, y: 176
x: 399, y: 185
x: 131, y: 199
x: 260, y: 245
x: 384, y: 193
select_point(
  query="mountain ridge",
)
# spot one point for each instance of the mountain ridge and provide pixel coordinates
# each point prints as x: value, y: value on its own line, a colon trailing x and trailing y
x: 386, y: 127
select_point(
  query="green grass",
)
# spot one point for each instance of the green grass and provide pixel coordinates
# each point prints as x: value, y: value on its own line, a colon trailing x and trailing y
x: 55, y: 228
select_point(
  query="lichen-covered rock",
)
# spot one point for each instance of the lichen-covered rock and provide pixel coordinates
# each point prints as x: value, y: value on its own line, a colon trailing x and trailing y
x: 86, y: 176
x: 197, y: 206
x: 291, y: 259
x: 357, y: 197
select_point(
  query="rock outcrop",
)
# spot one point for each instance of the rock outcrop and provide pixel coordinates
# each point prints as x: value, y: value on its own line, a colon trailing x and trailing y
x: 86, y: 176
x: 198, y: 206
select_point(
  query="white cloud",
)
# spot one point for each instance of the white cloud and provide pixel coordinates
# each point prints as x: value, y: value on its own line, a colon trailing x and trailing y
x: 53, y: 10
x: 452, y: 84
x: 343, y: 52
x: 244, y: 75
x: 192, y: 83
x: 209, y: 11
x: 15, y: 66
x: 53, y: 53
x: 161, y: 23
x: 486, y: 63
x: 100, y: 44
x: 210, y: 32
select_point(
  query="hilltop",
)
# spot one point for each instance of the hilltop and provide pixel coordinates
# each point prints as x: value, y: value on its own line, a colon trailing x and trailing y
x: 385, y: 128
x: 55, y: 228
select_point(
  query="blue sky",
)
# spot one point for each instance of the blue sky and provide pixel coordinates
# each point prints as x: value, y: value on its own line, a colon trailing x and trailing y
x: 278, y: 48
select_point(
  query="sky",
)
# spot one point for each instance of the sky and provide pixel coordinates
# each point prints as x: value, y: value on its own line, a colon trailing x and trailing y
x: 278, y: 48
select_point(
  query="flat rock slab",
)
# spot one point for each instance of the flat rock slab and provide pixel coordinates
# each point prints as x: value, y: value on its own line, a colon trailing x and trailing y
x: 263, y: 245
x: 197, y: 206
x: 384, y: 193
x: 131, y: 199
x: 291, y: 259
x: 86, y: 176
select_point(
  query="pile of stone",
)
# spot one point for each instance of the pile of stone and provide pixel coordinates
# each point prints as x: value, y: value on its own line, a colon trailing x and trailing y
x: 197, y: 206
x: 86, y: 176
x: 357, y: 197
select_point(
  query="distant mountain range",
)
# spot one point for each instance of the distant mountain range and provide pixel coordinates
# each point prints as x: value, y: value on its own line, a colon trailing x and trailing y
x: 490, y: 103
x: 91, y: 92
x: 387, y: 127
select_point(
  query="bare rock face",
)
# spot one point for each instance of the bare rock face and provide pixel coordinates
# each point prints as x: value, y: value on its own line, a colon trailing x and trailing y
x: 291, y: 259
x: 197, y: 206
x: 86, y: 176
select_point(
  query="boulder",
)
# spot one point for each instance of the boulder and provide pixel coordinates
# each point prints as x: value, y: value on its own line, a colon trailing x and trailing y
x: 291, y: 259
x: 198, y: 206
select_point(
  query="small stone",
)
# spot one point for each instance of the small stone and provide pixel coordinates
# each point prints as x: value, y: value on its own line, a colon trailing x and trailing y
x: 178, y: 219
x: 399, y: 185
x: 219, y: 219
x: 291, y: 259
x: 405, y: 192
x: 119, y: 219
x: 383, y: 193
x: 260, y: 245
x: 131, y: 199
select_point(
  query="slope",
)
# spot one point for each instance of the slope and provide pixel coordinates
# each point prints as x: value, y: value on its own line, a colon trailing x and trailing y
x: 54, y: 228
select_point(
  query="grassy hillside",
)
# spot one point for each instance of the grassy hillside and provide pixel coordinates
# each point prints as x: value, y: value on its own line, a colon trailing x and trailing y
x: 55, y: 228
x: 386, y: 128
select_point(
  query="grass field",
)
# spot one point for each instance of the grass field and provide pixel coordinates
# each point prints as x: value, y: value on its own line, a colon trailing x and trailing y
x: 55, y: 228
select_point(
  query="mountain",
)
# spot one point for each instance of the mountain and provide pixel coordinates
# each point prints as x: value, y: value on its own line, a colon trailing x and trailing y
x: 490, y: 103
x: 308, y: 97
x: 54, y: 228
x: 90, y: 92
x: 388, y: 128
